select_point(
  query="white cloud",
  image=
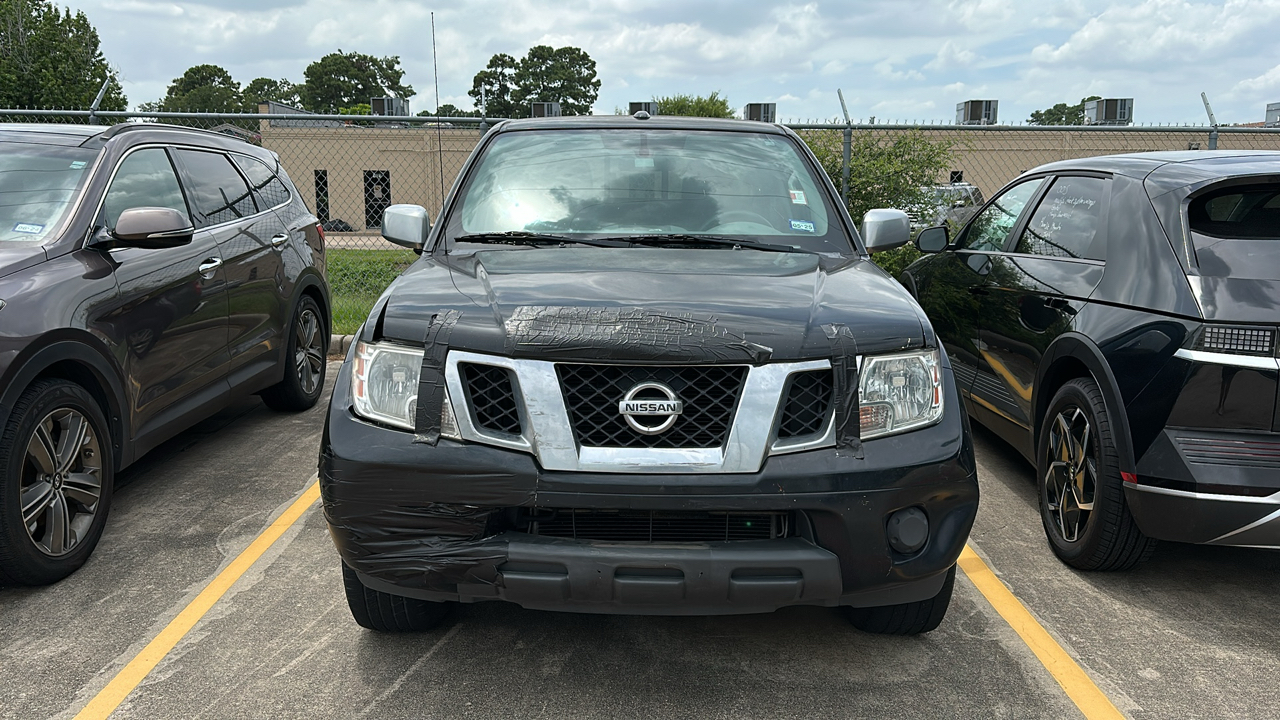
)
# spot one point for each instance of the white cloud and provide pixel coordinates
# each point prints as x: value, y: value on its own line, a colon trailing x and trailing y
x: 902, y: 57
x: 1163, y: 31
x: 951, y: 56
x: 884, y: 68
x: 835, y: 67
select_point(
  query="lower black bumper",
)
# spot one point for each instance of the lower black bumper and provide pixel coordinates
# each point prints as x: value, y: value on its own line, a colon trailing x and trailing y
x: 1215, y: 487
x: 434, y: 522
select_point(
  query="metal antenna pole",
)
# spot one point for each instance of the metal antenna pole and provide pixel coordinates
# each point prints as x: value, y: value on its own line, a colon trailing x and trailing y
x: 848, y: 143
x: 1213, y: 123
x: 93, y: 107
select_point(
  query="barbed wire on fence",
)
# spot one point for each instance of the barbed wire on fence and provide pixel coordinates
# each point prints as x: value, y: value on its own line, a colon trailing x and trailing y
x: 349, y: 168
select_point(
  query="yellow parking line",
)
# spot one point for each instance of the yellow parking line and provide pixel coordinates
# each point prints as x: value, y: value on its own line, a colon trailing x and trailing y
x: 110, y: 697
x: 1077, y: 684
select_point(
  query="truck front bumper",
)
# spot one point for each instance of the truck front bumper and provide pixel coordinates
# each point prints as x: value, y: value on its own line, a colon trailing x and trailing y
x: 432, y: 522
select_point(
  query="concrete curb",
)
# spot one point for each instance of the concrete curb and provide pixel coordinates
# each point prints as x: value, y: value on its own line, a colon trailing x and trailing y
x: 338, y: 344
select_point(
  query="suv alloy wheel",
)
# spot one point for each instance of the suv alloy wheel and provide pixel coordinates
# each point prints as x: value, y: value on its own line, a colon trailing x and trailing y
x: 1081, y: 496
x: 55, y: 483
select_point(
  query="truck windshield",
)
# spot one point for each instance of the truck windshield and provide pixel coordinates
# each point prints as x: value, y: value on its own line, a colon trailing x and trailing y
x: 1236, y: 231
x: 603, y: 183
x: 37, y: 185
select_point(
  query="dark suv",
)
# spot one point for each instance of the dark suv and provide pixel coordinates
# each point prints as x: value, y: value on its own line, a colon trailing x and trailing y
x: 1115, y: 320
x: 645, y: 365
x: 147, y: 275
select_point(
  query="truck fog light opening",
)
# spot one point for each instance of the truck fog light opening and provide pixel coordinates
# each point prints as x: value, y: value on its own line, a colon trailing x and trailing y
x: 908, y: 530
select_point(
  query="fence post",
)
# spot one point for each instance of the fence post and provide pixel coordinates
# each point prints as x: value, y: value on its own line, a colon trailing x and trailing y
x: 1213, y: 138
x: 844, y: 167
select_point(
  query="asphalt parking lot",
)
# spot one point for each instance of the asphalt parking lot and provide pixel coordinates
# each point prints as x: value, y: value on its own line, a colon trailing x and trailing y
x: 1192, y: 633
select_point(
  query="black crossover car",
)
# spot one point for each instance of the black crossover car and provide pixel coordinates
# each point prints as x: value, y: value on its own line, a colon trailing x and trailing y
x: 644, y: 365
x: 1115, y: 320
x: 147, y: 274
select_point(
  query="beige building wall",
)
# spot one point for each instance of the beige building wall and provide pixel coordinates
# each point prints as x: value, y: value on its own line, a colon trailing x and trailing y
x: 414, y: 156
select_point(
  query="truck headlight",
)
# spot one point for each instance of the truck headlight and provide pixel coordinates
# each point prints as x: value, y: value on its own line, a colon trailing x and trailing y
x: 384, y: 387
x: 899, y: 392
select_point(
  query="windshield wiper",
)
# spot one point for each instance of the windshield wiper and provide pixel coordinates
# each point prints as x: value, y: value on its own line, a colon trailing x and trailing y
x: 524, y: 237
x: 685, y: 240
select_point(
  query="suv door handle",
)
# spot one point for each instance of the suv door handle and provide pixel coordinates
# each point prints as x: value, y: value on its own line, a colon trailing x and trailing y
x: 209, y: 267
x: 978, y: 290
x: 278, y: 240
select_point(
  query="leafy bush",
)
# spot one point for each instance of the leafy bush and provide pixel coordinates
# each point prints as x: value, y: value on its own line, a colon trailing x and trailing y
x: 885, y: 171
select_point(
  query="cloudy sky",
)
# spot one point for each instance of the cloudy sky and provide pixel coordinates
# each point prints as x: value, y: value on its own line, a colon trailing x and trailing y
x: 895, y: 60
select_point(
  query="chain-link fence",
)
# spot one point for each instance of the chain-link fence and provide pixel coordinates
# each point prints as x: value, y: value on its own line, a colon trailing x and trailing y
x: 349, y: 168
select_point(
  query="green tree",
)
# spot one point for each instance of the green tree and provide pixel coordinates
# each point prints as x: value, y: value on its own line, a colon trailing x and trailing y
x: 202, y: 88
x: 895, y: 171
x: 448, y: 110
x: 1061, y: 114
x: 261, y: 90
x: 567, y: 75
x: 491, y: 88
x: 713, y: 105
x: 52, y: 58
x: 340, y: 80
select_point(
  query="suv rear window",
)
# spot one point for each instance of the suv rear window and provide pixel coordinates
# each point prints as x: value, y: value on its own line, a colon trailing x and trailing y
x: 1236, y: 231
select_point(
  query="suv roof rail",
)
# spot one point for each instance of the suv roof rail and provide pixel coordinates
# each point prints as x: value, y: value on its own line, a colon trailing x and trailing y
x: 120, y: 128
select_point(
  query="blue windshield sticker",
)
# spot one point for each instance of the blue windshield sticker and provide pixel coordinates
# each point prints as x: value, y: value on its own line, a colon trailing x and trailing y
x: 803, y: 226
x: 28, y: 228
x: 78, y: 164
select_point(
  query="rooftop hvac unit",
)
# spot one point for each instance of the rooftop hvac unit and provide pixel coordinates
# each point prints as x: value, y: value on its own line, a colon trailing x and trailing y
x: 545, y: 109
x: 761, y: 112
x: 1109, y: 111
x: 649, y: 107
x: 389, y: 106
x: 1273, y: 114
x: 977, y: 112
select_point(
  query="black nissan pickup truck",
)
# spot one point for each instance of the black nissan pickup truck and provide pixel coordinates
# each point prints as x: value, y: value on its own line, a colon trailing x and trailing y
x: 645, y: 365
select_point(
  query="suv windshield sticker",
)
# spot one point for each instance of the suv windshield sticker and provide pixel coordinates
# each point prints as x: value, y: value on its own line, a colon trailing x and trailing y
x: 803, y: 226
x: 78, y: 165
x: 28, y: 228
x: 797, y: 197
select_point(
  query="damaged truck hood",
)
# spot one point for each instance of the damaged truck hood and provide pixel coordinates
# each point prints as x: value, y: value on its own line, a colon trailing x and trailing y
x: 652, y: 304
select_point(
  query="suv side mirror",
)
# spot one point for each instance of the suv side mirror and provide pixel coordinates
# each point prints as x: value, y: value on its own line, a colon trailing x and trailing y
x: 406, y: 225
x: 885, y: 229
x: 933, y: 240
x: 151, y: 228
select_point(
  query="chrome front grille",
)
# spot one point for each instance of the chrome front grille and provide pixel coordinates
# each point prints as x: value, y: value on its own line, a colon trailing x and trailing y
x: 710, y: 394
x: 730, y: 413
x: 807, y: 406
x: 492, y: 398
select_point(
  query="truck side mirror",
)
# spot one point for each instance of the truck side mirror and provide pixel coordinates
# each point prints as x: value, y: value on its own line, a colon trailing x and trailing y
x: 406, y: 225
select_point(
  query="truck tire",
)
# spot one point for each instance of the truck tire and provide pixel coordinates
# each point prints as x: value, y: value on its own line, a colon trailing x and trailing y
x: 389, y: 613
x: 911, y: 618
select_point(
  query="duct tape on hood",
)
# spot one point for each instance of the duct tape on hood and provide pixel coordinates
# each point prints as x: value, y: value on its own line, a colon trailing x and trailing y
x: 613, y: 333
x: 431, y: 382
x: 844, y: 367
